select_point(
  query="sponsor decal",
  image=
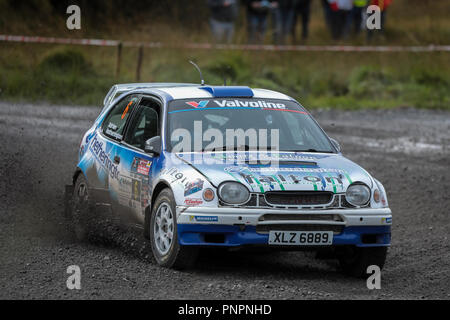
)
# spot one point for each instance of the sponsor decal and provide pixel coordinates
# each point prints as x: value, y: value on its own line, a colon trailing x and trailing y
x: 97, y: 150
x: 193, y: 187
x: 386, y: 220
x: 290, y: 178
x: 193, y: 202
x: 125, y: 184
x: 136, y: 190
x: 145, y: 188
x: 141, y: 166
x: 200, y: 104
x: 250, y: 104
x: 177, y: 175
x: 204, y: 218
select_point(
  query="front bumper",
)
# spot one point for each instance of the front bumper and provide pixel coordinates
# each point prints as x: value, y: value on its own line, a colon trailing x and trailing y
x: 232, y: 227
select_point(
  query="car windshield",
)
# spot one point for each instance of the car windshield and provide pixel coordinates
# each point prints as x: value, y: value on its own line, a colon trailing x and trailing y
x: 242, y: 124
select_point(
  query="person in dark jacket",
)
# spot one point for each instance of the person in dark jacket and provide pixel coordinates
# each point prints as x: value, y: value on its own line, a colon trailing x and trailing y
x: 285, y: 18
x: 327, y: 14
x: 257, y: 14
x: 340, y: 14
x: 303, y: 9
x: 356, y: 16
x: 222, y: 19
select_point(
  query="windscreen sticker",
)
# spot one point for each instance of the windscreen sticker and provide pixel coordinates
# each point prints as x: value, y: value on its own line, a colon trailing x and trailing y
x: 113, y: 134
x: 200, y: 104
x: 246, y: 104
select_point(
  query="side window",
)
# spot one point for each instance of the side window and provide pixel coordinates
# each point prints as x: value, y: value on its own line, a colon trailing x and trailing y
x: 145, y: 125
x: 114, y: 124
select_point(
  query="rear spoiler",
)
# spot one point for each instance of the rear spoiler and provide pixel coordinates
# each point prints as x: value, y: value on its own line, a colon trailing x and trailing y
x: 117, y: 89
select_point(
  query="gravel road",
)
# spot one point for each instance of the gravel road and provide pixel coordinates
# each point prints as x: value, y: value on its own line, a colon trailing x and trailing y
x: 406, y: 149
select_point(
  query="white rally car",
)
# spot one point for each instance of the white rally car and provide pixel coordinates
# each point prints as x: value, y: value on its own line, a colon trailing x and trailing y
x: 220, y: 166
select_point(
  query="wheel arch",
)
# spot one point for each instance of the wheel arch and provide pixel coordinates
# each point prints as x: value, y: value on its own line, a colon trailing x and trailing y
x: 75, y: 175
x: 160, y: 186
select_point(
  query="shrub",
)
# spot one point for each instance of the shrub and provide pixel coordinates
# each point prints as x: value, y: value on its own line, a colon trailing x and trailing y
x: 66, y: 61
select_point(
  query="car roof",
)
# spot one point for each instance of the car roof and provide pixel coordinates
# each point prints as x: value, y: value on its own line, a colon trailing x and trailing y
x: 145, y: 85
x: 176, y: 91
x: 221, y: 92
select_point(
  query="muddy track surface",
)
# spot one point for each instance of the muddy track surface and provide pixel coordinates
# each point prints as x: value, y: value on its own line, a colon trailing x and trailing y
x: 407, y: 150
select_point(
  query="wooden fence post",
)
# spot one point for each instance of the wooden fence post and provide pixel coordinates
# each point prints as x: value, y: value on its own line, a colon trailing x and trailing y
x: 139, y: 63
x: 119, y: 59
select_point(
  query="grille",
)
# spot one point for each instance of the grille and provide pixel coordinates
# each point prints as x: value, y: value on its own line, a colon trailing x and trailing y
x: 345, y: 203
x: 265, y: 228
x: 303, y: 198
x: 301, y: 217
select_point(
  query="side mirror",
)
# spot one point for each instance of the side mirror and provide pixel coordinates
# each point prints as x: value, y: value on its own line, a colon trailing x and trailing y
x: 336, y: 144
x: 153, y: 145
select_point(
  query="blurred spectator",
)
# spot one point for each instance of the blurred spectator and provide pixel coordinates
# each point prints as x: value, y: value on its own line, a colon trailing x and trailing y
x: 356, y: 15
x: 223, y: 16
x: 383, y: 4
x: 340, y: 13
x: 283, y: 20
x: 327, y: 13
x: 257, y: 12
x: 302, y: 9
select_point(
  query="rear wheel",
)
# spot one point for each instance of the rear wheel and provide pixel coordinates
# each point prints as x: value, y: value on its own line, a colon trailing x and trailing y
x: 164, y: 237
x: 82, y: 209
x: 355, y: 261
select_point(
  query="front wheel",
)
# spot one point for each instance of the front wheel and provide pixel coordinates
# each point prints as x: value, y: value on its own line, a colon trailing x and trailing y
x: 355, y: 261
x: 164, y: 237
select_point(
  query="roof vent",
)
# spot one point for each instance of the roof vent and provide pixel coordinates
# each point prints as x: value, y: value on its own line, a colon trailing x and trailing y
x: 229, y: 91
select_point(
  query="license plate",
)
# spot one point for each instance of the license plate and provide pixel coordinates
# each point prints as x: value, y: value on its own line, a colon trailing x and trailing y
x: 301, y: 238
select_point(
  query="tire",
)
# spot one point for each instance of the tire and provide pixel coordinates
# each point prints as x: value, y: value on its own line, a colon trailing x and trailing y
x: 355, y: 261
x: 164, y: 236
x: 82, y: 209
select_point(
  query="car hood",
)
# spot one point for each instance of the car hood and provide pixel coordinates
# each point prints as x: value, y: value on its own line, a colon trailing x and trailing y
x: 279, y: 171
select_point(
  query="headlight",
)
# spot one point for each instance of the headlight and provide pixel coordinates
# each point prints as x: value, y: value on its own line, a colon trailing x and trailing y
x: 233, y: 193
x: 358, y: 194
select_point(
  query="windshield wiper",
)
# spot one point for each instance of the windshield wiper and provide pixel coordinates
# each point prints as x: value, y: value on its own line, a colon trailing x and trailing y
x: 237, y: 148
x: 230, y: 148
x: 309, y: 150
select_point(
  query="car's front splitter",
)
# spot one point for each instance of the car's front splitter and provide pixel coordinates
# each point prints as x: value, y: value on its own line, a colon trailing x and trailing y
x: 233, y: 236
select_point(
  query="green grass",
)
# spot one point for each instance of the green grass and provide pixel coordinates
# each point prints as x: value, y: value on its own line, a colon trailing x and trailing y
x: 83, y: 75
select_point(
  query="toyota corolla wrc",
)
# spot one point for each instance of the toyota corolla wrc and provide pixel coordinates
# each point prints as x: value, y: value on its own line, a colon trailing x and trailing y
x: 225, y: 166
